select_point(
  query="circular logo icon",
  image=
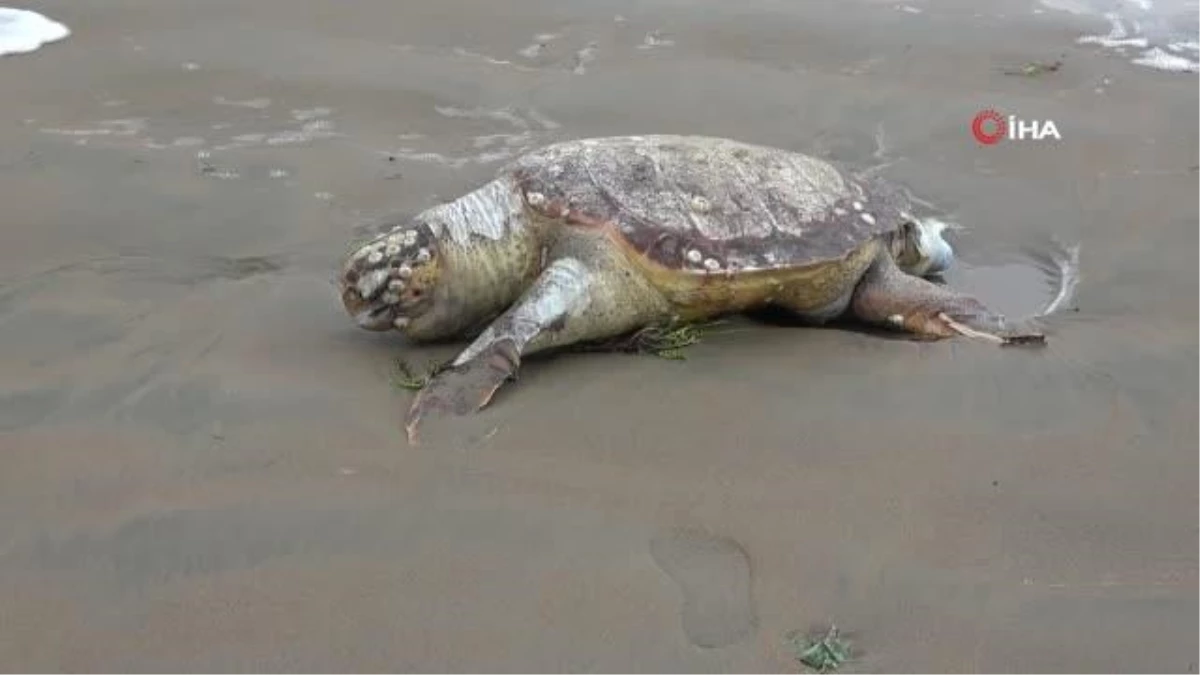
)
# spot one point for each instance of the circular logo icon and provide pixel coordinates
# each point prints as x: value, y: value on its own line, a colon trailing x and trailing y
x: 989, y: 127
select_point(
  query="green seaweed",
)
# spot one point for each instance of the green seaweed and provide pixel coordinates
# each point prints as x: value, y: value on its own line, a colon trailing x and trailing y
x: 405, y: 377
x: 823, y: 654
x: 1035, y: 68
x: 664, y: 341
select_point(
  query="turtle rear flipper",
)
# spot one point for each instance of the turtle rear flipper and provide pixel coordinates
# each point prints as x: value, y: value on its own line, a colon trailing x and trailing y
x: 888, y: 296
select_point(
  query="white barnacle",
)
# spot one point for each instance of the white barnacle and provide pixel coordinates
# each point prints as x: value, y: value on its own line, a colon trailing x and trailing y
x: 391, y: 250
x: 375, y: 257
x: 712, y: 265
x: 395, y: 285
x: 369, y: 283
x: 700, y: 204
x: 867, y: 218
x: 423, y: 255
x: 410, y: 237
x: 694, y: 256
x: 404, y: 271
x: 837, y: 210
x: 896, y: 320
x: 857, y: 206
x: 536, y: 198
x: 401, y: 322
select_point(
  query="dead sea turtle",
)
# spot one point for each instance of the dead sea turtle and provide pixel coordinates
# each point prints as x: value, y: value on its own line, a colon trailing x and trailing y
x: 590, y: 239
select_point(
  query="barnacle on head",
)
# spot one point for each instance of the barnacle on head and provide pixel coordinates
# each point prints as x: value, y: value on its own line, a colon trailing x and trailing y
x: 388, y: 282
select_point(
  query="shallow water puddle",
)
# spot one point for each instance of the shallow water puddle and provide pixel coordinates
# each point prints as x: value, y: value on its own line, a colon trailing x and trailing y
x: 1019, y: 285
x: 1015, y: 289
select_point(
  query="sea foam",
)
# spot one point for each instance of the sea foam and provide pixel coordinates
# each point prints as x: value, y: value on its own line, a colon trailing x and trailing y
x: 1160, y: 35
x: 23, y: 31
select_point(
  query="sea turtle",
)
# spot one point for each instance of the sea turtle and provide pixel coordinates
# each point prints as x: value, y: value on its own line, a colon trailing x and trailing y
x: 590, y: 239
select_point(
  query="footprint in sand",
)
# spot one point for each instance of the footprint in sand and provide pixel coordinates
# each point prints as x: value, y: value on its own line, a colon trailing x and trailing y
x: 713, y: 576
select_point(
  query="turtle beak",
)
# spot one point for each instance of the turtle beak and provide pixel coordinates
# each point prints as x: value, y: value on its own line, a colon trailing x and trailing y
x: 377, y: 319
x: 367, y: 315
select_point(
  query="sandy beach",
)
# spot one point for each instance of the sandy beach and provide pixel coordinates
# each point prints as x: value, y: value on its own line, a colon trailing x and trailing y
x: 202, y: 459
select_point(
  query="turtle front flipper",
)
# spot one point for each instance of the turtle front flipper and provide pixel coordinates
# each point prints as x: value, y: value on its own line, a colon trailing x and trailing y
x: 886, y: 295
x: 571, y: 301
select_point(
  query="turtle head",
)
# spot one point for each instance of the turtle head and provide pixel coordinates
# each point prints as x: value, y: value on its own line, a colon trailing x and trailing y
x: 921, y: 249
x: 388, y: 282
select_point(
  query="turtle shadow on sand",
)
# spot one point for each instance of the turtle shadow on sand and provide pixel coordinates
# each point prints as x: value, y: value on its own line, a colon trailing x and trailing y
x: 775, y: 317
x: 662, y: 341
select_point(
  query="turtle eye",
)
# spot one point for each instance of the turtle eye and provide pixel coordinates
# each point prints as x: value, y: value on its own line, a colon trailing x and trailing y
x: 913, y: 237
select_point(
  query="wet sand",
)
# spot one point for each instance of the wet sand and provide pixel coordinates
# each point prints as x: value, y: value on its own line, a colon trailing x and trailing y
x: 203, y: 466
